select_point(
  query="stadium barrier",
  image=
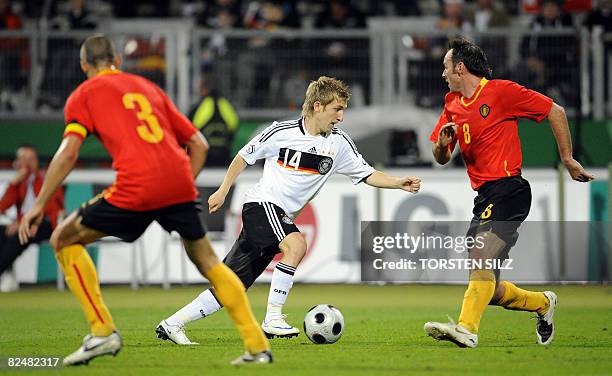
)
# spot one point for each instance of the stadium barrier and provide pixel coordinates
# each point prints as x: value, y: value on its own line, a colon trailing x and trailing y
x: 332, y: 226
x: 394, y: 61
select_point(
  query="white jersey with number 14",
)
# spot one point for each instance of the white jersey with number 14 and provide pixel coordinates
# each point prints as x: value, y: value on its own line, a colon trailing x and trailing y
x: 298, y: 164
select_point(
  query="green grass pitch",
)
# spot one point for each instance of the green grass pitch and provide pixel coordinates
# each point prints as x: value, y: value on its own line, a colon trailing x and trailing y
x: 384, y: 333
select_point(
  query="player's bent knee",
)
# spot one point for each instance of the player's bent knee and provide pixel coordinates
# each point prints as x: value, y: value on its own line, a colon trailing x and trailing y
x: 54, y: 240
x: 71, y: 231
x: 60, y: 238
x: 297, y: 241
x: 57, y: 239
x: 294, y: 245
x: 64, y: 230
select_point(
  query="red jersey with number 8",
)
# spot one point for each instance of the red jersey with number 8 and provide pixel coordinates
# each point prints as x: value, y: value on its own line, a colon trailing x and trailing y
x: 142, y: 131
x: 487, y: 129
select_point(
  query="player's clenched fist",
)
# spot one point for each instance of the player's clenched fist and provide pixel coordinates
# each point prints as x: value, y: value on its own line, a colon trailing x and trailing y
x: 410, y: 183
x: 447, y: 133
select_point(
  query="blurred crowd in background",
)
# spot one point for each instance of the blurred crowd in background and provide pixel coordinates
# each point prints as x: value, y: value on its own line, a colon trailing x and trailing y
x: 275, y: 14
x: 547, y: 63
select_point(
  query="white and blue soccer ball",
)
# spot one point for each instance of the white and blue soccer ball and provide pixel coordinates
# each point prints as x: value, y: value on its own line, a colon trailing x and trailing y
x: 324, y: 324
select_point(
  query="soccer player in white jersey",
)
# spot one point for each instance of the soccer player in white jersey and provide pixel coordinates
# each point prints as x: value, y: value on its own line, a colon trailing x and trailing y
x: 300, y: 155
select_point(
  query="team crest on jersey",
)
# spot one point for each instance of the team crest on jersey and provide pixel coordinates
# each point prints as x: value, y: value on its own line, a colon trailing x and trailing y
x: 250, y: 149
x: 325, y: 165
x: 485, y: 110
x: 287, y: 220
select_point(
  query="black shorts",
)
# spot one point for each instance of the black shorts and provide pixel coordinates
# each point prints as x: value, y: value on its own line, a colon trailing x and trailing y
x: 264, y: 226
x: 128, y: 225
x: 500, y: 207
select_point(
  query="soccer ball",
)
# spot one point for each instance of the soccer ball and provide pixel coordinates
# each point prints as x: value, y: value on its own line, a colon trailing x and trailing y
x: 324, y: 324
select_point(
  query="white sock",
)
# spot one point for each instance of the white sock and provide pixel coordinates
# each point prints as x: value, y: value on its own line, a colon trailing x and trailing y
x: 282, y: 280
x: 204, y: 305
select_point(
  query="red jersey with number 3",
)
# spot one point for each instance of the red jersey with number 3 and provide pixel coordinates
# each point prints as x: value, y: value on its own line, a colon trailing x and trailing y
x: 487, y: 129
x: 142, y: 131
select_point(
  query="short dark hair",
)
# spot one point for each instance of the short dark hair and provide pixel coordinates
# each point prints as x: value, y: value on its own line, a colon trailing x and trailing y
x: 98, y: 49
x: 472, y: 56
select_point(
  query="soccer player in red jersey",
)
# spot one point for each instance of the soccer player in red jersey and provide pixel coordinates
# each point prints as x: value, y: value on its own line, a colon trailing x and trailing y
x: 144, y: 134
x: 481, y: 115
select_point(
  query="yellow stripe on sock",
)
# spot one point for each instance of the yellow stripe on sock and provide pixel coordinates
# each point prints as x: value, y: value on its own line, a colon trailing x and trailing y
x: 82, y: 279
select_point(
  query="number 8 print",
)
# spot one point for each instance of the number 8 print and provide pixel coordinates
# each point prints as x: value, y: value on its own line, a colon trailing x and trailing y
x: 466, y: 133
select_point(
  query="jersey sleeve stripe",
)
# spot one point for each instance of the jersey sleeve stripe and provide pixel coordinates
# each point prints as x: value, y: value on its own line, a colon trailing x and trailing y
x: 274, y: 128
x: 288, y: 122
x: 264, y: 138
x: 350, y: 142
x: 76, y: 129
x: 364, y: 178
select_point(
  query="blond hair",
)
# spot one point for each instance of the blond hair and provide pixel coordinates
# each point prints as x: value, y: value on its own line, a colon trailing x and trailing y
x: 324, y: 90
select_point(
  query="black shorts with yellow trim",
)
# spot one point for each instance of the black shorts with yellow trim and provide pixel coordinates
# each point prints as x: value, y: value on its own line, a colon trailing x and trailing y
x: 129, y: 225
x: 264, y: 226
x: 500, y: 207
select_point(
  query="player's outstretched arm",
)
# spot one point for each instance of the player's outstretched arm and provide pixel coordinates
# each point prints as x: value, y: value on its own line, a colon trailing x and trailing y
x: 197, y: 148
x: 560, y: 129
x: 62, y: 163
x: 381, y: 180
x: 216, y: 200
x: 441, y: 152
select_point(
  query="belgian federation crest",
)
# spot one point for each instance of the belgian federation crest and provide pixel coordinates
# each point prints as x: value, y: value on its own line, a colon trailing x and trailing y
x: 485, y: 110
x: 325, y: 165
